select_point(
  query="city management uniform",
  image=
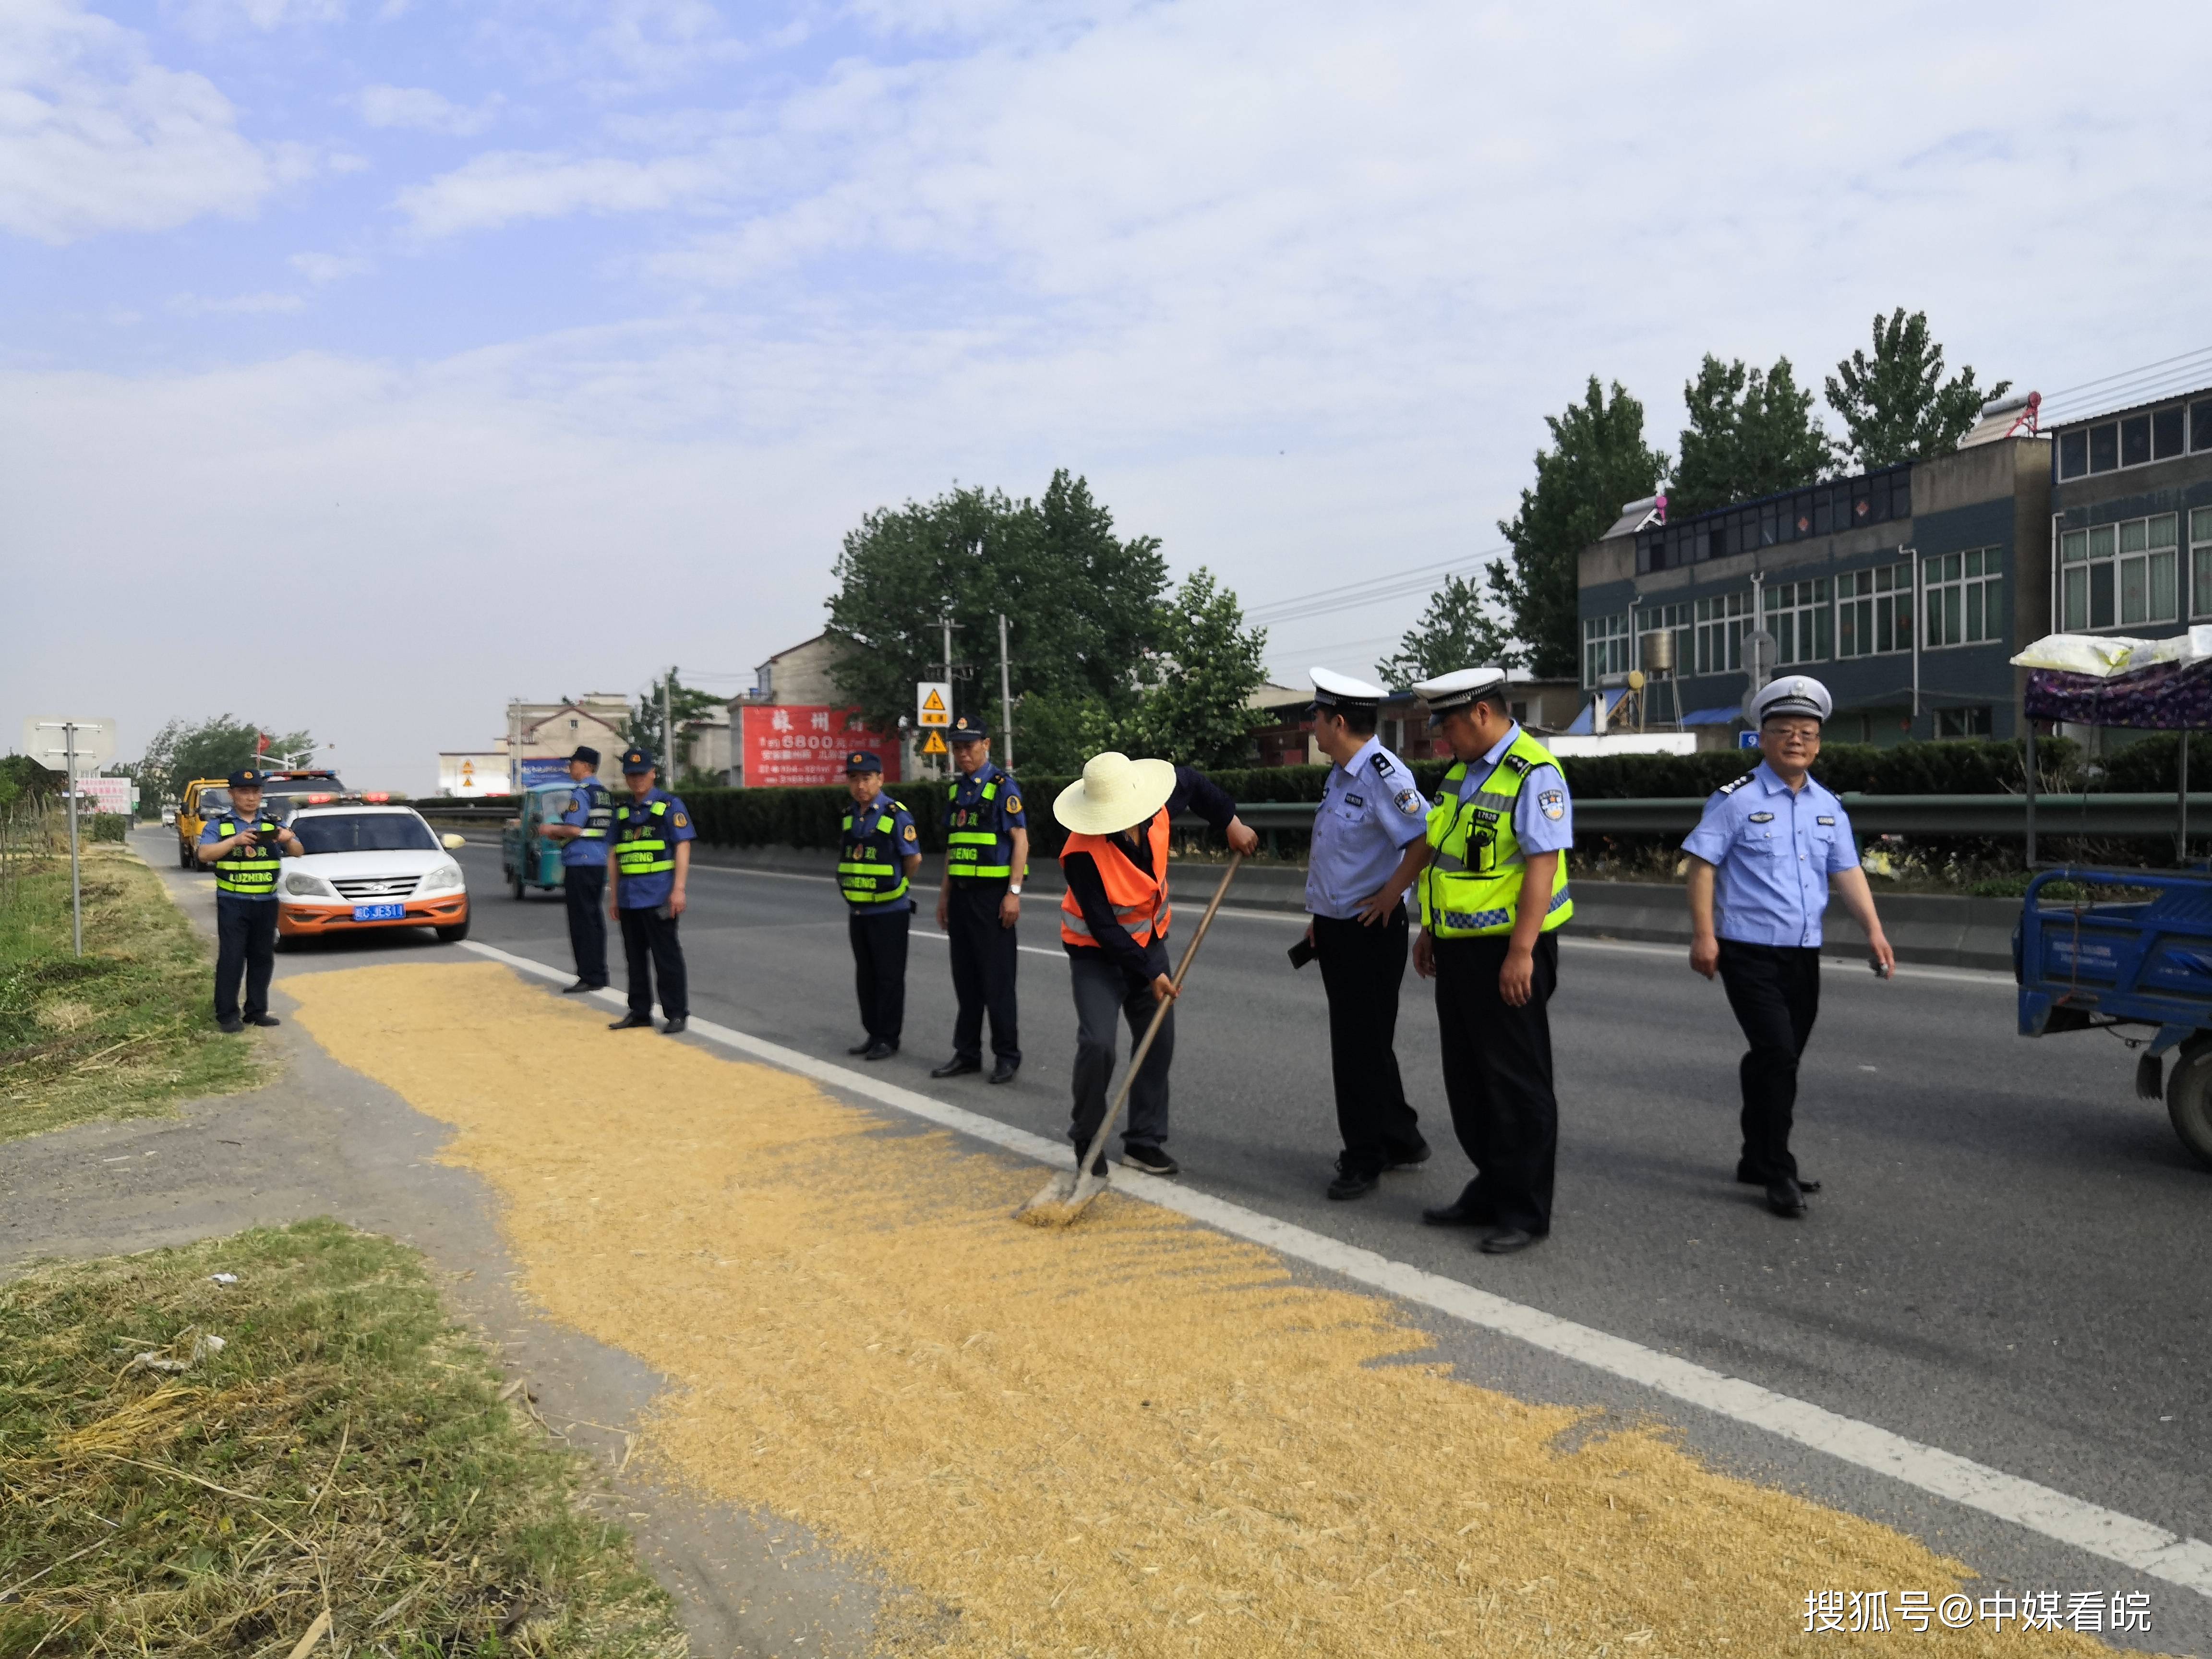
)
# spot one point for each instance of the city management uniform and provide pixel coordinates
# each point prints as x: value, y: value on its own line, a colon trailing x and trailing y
x: 245, y: 910
x: 984, y: 809
x: 1772, y: 851
x: 584, y: 874
x: 874, y: 842
x: 1370, y: 811
x: 644, y: 834
x: 1483, y: 824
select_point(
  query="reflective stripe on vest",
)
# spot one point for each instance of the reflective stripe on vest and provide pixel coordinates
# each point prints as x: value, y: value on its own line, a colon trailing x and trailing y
x: 969, y: 850
x: 868, y: 870
x: 1472, y: 886
x: 599, y: 814
x: 252, y: 875
x: 642, y: 850
x: 1139, y: 901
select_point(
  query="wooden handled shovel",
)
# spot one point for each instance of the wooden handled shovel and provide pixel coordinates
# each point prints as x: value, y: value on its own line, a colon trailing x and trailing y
x: 1065, y: 1197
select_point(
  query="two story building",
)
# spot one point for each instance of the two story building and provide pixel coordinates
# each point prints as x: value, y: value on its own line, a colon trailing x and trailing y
x: 1906, y: 590
x: 2131, y: 516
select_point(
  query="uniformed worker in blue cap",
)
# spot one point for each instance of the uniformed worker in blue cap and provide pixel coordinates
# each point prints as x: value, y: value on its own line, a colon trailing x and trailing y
x: 1369, y: 845
x: 1493, y: 897
x: 650, y: 856
x: 877, y: 854
x: 246, y: 849
x: 1765, y: 853
x: 582, y: 833
x: 987, y: 850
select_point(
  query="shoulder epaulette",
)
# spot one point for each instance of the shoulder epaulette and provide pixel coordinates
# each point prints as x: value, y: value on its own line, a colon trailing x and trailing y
x: 1516, y: 764
x: 1730, y: 788
x: 1383, y: 763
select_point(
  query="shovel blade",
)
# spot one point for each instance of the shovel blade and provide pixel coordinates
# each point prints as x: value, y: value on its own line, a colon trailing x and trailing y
x: 1061, y: 1200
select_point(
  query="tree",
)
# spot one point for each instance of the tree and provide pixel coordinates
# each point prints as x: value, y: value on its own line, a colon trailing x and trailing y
x: 1597, y: 462
x: 214, y: 748
x: 1750, y: 434
x: 645, y: 729
x: 1456, y: 631
x: 1198, y: 709
x: 1897, y: 407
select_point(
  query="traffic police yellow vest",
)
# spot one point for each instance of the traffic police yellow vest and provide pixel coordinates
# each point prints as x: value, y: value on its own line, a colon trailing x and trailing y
x: 643, y: 848
x: 1473, y: 884
x: 868, y: 869
x: 251, y: 874
x: 976, y: 841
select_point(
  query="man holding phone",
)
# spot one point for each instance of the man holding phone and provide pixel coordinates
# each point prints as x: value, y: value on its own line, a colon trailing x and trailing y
x: 1765, y: 853
x: 246, y: 849
x: 651, y: 856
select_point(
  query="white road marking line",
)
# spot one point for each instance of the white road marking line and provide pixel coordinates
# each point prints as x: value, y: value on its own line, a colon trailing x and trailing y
x: 2186, y: 1562
x: 1026, y: 950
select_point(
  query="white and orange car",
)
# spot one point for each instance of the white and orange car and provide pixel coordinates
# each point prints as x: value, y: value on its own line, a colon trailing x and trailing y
x: 369, y: 866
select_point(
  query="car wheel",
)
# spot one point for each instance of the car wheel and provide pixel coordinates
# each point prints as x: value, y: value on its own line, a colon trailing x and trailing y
x: 454, y: 934
x: 520, y: 891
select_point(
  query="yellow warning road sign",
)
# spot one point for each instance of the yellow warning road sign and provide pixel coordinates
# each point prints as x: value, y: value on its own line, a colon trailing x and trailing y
x: 933, y: 703
x: 932, y: 744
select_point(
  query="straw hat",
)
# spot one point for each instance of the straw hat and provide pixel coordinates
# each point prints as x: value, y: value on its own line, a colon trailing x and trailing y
x: 1113, y: 793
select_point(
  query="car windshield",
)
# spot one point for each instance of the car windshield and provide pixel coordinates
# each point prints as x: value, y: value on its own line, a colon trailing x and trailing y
x: 364, y: 832
x: 554, y: 802
x: 211, y: 802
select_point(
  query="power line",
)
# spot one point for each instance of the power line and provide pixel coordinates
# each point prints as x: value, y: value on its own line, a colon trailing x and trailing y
x: 1374, y: 591
x: 2131, y: 386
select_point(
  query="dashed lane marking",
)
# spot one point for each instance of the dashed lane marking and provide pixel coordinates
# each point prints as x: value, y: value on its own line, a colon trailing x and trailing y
x: 2146, y: 1549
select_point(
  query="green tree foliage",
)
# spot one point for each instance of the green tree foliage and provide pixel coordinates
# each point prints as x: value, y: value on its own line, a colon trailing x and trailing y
x: 22, y: 776
x: 1456, y: 631
x: 213, y: 748
x: 1751, y: 433
x: 1082, y: 603
x: 645, y: 729
x: 1208, y: 665
x: 1896, y: 405
x: 1597, y: 461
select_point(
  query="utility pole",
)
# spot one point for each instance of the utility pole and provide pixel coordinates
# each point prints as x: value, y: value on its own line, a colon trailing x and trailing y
x: 945, y: 621
x: 77, y: 890
x: 668, y: 729
x: 1005, y: 700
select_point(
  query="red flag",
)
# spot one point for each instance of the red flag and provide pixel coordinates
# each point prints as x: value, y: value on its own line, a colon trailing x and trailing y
x: 261, y: 743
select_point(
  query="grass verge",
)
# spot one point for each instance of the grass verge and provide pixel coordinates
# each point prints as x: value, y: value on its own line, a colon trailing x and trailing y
x: 121, y: 1029
x: 342, y: 1451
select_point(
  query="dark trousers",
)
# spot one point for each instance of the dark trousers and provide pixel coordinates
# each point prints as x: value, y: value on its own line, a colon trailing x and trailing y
x: 983, y: 959
x: 879, y: 970
x: 1102, y: 1000
x: 1775, y: 990
x: 245, y: 949
x: 585, y: 888
x: 650, y: 947
x: 1498, y: 1075
x: 1362, y: 969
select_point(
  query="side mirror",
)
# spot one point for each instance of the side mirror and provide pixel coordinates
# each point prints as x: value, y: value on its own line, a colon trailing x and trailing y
x: 453, y: 843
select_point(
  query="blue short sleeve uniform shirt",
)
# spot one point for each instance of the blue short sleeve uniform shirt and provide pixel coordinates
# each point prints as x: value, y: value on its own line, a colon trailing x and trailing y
x: 650, y: 892
x: 1773, y: 852
x: 906, y: 842
x: 1543, y: 812
x: 213, y: 831
x: 1370, y: 811
x: 585, y: 849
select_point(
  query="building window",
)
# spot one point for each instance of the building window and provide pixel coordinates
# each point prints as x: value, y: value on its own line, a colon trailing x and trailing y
x: 1964, y: 722
x: 2121, y: 574
x: 1873, y: 611
x: 2200, y: 560
x: 2074, y: 455
x: 1796, y: 614
x: 2200, y: 425
x: 2166, y: 434
x: 1719, y: 629
x: 2138, y: 441
x: 1605, y: 647
x: 2135, y: 441
x: 1964, y: 597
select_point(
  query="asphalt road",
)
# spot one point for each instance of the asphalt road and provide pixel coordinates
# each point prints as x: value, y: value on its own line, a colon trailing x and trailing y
x: 2010, y: 1260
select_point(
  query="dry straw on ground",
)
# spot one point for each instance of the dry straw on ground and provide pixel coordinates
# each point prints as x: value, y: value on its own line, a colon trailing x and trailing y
x: 1136, y: 1436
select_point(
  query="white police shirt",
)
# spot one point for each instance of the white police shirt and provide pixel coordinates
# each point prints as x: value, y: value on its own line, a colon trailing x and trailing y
x: 1773, y: 853
x: 1370, y: 811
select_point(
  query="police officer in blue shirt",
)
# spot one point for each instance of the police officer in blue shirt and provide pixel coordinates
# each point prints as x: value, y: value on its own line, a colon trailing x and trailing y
x: 1368, y: 846
x: 244, y: 849
x: 650, y: 856
x: 1766, y: 852
x: 582, y: 833
x: 877, y: 854
x: 986, y: 849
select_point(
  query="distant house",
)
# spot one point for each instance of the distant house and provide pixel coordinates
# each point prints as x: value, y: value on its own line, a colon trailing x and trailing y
x: 539, y: 736
x: 802, y: 675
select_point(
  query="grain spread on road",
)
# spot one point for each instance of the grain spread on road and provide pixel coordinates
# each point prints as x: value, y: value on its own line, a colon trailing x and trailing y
x: 1135, y: 1436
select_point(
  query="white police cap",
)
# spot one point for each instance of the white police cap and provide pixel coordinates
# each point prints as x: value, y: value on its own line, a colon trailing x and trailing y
x: 1335, y: 690
x: 1793, y: 693
x: 1456, y: 690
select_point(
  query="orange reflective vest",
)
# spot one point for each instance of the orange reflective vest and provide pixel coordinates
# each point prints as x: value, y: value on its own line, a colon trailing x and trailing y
x: 1139, y: 901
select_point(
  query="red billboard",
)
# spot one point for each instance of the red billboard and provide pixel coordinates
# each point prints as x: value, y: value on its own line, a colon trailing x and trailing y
x: 788, y: 744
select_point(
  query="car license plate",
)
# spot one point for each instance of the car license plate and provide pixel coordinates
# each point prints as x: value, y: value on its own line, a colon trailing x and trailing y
x: 378, y: 912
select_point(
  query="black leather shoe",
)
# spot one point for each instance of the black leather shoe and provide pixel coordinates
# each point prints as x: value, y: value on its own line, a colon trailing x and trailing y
x: 1004, y: 1070
x: 1785, y: 1198
x: 1745, y: 1178
x: 1457, y: 1214
x: 230, y: 1027
x: 1352, y: 1179
x: 956, y: 1067
x: 632, y: 1023
x: 862, y: 1046
x: 263, y: 1020
x: 580, y: 987
x: 1506, y: 1240
x: 879, y: 1051
x: 1410, y: 1160
x: 682, y: 1023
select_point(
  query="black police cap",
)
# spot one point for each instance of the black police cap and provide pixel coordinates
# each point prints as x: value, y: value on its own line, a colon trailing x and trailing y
x: 860, y: 761
x: 584, y: 753
x: 968, y: 729
x: 248, y: 777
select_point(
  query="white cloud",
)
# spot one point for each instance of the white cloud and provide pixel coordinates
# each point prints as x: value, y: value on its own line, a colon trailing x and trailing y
x: 423, y: 110
x: 329, y: 267
x: 95, y: 137
x: 504, y: 186
x: 211, y: 19
x: 193, y: 304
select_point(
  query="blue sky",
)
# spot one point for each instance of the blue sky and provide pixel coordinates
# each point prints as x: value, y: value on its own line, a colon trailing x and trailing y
x: 518, y: 348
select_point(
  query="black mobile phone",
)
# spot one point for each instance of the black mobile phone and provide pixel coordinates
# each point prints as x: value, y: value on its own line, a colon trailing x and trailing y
x: 1302, y: 953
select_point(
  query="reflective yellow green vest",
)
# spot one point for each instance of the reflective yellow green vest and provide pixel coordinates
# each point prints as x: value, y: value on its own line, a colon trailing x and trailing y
x: 971, y: 848
x: 868, y: 869
x: 1473, y: 884
x: 251, y: 875
x: 642, y: 848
